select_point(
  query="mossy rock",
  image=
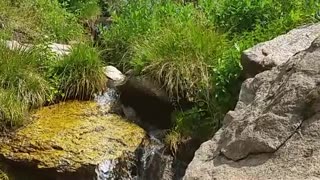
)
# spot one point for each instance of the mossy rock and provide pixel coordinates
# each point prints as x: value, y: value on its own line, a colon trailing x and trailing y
x: 3, y: 176
x: 70, y: 136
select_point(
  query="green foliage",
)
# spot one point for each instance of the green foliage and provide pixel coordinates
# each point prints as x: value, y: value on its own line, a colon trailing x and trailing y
x: 19, y: 70
x: 61, y: 25
x: 84, y: 9
x: 79, y: 74
x: 180, y: 57
x: 235, y: 16
x: 12, y: 110
x: 3, y: 176
x: 193, y: 50
x: 28, y: 21
x: 34, y: 77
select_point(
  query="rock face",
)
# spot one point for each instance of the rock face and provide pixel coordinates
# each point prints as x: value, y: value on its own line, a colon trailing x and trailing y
x: 148, y: 100
x: 273, y: 133
x: 272, y: 53
x: 73, y: 138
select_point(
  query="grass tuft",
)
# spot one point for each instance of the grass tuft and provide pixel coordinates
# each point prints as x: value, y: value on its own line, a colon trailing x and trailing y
x: 180, y: 58
x: 80, y: 74
x: 12, y: 110
x: 19, y: 71
x: 173, y: 139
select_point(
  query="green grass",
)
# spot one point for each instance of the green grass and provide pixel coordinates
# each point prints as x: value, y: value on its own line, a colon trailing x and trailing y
x: 33, y: 78
x: 80, y: 74
x: 180, y: 57
x: 194, y: 50
x: 38, y: 20
x: 12, y: 110
x: 19, y: 70
x: 84, y: 9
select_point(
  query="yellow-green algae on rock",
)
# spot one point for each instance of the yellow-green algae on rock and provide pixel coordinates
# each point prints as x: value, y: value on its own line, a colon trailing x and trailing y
x: 69, y: 135
x: 3, y: 176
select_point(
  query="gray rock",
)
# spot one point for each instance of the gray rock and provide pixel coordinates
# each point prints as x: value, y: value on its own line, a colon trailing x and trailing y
x: 57, y: 49
x: 60, y: 49
x: 273, y: 133
x: 275, y: 52
x: 116, y: 76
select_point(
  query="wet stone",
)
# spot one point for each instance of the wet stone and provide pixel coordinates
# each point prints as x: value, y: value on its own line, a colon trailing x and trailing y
x: 72, y: 138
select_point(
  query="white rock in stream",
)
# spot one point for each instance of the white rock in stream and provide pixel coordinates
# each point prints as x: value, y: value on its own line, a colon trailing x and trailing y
x: 115, y: 75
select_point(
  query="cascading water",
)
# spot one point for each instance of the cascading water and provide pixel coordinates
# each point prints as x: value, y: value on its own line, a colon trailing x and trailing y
x: 150, y: 160
x: 107, y: 100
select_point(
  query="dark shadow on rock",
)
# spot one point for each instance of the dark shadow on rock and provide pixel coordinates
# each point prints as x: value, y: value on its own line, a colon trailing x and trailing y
x: 249, y: 161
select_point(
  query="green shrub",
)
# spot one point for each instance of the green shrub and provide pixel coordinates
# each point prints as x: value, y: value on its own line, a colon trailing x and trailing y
x: 27, y: 20
x: 84, y: 9
x: 180, y: 58
x: 135, y: 19
x: 12, y: 110
x: 19, y: 71
x: 235, y: 16
x: 194, y: 50
x: 61, y: 25
x: 80, y: 74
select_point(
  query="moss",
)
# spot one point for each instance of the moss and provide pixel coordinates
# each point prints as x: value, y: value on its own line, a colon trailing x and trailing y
x: 69, y: 135
x: 3, y: 176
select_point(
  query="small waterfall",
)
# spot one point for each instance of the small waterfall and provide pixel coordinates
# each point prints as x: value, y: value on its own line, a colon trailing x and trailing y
x: 149, y: 162
x: 153, y: 162
x: 105, y: 170
x: 107, y: 98
x: 108, y: 101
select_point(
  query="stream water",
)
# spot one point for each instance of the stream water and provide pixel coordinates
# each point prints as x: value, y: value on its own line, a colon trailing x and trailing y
x: 150, y: 162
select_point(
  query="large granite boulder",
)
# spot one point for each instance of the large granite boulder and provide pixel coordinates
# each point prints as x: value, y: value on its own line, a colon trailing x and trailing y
x: 73, y: 140
x: 272, y: 53
x: 273, y: 133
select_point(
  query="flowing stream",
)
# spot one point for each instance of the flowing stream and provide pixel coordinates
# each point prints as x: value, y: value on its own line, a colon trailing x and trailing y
x: 150, y: 162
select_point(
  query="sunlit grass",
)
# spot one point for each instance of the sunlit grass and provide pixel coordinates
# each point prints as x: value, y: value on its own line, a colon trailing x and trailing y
x: 80, y: 74
x: 19, y: 72
x: 12, y: 110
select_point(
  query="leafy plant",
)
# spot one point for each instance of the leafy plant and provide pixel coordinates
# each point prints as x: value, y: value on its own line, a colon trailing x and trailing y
x: 193, y: 50
x: 180, y: 58
x: 28, y: 21
x: 80, y: 74
x: 12, y: 110
x: 19, y: 71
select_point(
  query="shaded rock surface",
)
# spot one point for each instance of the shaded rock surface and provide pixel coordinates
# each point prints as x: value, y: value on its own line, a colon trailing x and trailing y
x: 275, y: 52
x: 142, y: 99
x: 273, y: 133
x: 73, y: 137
